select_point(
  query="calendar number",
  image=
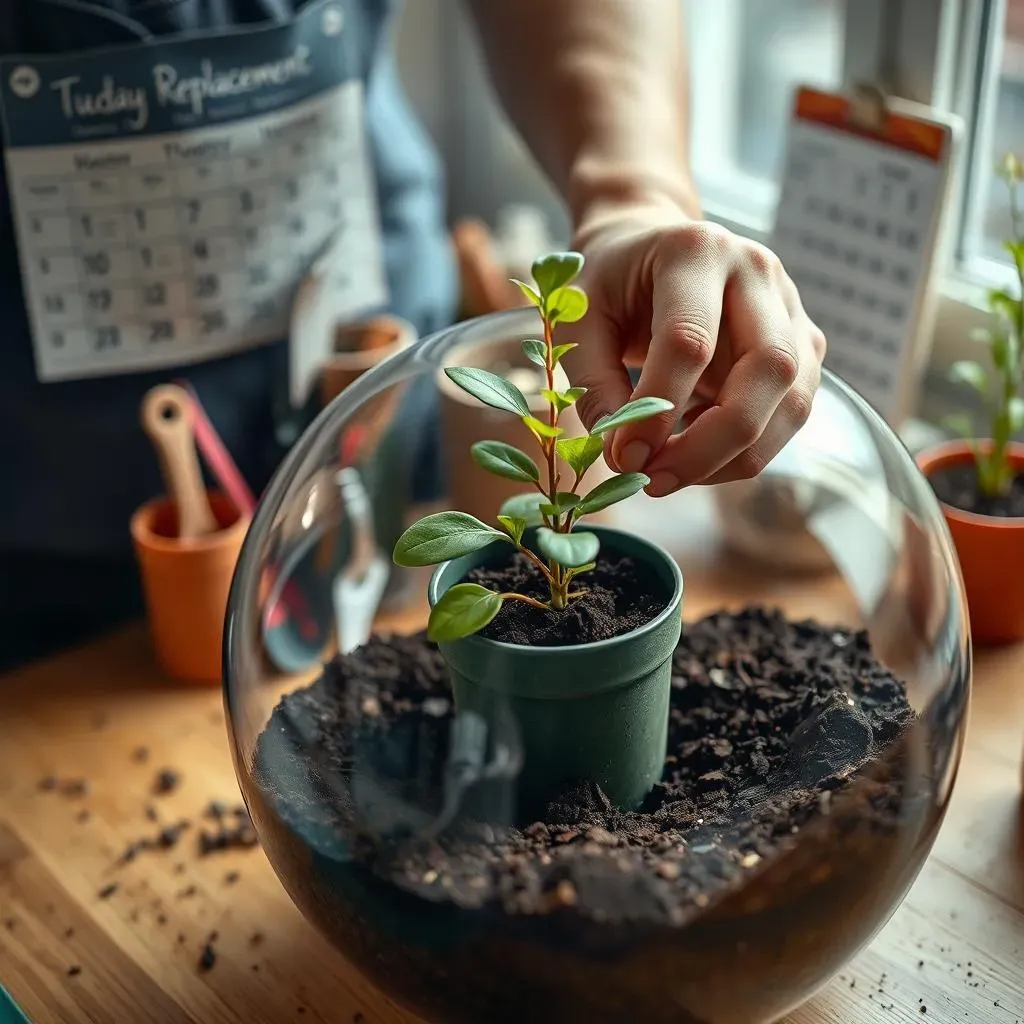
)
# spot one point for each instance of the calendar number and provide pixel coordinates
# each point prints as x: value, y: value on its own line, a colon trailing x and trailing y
x: 266, y: 309
x: 258, y: 274
x: 99, y: 299
x: 57, y: 339
x: 96, y: 263
x: 53, y: 303
x: 200, y: 249
x: 107, y: 337
x: 161, y: 330
x: 193, y: 206
x: 207, y: 285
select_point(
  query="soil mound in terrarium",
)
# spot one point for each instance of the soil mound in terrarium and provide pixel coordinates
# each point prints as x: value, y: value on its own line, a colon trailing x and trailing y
x: 768, y: 719
x: 617, y: 596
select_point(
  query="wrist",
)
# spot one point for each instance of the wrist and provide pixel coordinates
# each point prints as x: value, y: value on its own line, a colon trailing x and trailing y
x: 600, y: 193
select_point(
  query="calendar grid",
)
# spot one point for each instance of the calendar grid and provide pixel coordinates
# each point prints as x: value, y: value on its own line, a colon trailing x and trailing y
x: 191, y: 246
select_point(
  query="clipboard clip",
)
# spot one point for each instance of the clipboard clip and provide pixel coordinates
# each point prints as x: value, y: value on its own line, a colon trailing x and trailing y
x: 868, y: 106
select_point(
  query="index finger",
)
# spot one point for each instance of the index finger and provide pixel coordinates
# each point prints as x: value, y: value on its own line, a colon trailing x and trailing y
x: 686, y: 315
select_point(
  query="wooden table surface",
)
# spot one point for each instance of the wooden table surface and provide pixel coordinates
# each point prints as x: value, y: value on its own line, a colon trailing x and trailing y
x: 956, y: 946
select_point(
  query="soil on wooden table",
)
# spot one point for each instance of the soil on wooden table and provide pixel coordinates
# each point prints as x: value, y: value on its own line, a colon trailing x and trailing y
x: 785, y: 738
x: 958, y: 486
x: 618, y: 595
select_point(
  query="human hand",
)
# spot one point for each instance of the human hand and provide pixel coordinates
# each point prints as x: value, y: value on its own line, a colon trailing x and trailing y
x: 720, y: 331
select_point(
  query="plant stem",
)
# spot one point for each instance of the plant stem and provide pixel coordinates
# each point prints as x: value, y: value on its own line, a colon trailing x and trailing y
x: 526, y: 600
x: 540, y: 565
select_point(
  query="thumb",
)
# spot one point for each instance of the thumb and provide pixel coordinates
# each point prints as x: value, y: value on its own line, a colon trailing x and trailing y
x: 596, y: 364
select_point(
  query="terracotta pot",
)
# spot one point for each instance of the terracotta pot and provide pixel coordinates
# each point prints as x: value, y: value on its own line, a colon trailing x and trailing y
x: 465, y: 420
x: 990, y: 550
x: 359, y: 345
x: 186, y: 585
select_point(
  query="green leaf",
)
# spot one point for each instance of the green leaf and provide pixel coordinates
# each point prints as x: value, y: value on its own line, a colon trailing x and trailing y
x: 525, y: 507
x: 505, y: 460
x: 571, y: 550
x: 556, y: 270
x: 515, y: 526
x: 559, y: 350
x: 959, y: 423
x: 631, y: 412
x: 529, y: 291
x: 567, y: 305
x: 1015, y: 414
x: 564, y: 501
x: 1003, y: 302
x: 561, y: 400
x: 490, y: 389
x: 580, y: 452
x: 461, y: 611
x: 1000, y: 349
x: 541, y: 430
x: 1016, y: 250
x: 573, y: 573
x: 966, y: 371
x: 613, y: 490
x: 536, y: 351
x: 442, y: 536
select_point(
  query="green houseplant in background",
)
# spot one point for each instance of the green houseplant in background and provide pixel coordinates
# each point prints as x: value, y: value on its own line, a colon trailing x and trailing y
x: 980, y: 478
x: 594, y: 711
x: 1001, y: 391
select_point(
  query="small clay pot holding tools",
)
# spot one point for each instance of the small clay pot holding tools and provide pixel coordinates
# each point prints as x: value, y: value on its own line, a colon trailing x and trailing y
x: 186, y: 545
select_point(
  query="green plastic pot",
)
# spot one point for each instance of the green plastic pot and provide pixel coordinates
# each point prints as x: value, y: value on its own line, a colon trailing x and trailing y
x: 588, y: 712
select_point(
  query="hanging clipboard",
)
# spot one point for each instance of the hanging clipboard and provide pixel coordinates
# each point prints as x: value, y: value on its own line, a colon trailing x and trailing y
x: 859, y: 228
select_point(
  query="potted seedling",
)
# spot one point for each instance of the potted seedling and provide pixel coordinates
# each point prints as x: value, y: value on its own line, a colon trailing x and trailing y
x: 567, y: 630
x: 980, y: 480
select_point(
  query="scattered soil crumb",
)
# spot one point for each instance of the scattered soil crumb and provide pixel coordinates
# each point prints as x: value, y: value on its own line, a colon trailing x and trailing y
x: 140, y: 755
x: 207, y: 958
x: 74, y: 970
x: 231, y: 877
x: 166, y: 781
x: 108, y: 890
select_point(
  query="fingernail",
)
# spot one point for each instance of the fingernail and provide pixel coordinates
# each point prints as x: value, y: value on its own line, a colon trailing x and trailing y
x: 662, y: 484
x: 634, y: 456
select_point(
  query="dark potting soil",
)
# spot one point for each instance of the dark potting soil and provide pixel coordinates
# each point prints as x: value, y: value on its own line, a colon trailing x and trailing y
x: 619, y: 595
x: 770, y: 721
x: 958, y: 486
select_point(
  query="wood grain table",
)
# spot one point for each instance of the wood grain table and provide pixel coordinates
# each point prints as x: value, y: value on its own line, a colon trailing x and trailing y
x: 73, y: 950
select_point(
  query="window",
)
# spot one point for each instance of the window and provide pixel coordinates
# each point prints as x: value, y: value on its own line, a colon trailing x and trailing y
x: 746, y: 58
x: 995, y: 130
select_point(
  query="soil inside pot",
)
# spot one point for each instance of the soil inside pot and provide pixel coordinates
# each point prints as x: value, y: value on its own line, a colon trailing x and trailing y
x: 957, y: 485
x: 621, y: 595
x: 770, y: 720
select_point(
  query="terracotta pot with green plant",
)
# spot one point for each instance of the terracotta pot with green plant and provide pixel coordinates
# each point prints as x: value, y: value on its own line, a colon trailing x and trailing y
x: 567, y: 633
x: 980, y: 480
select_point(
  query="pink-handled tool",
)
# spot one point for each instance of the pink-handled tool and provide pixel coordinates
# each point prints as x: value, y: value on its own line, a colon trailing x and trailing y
x: 220, y: 463
x: 217, y: 457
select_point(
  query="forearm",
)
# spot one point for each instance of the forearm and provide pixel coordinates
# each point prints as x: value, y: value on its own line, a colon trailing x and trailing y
x: 599, y: 90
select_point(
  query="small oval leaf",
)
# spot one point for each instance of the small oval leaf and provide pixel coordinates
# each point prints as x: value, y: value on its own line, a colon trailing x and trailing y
x: 461, y: 611
x: 631, y: 412
x: 505, y: 460
x: 441, y: 536
x: 567, y: 305
x: 540, y: 429
x: 528, y: 290
x: 965, y: 371
x: 570, y: 550
x: 580, y: 452
x: 514, y: 525
x: 536, y: 351
x: 1015, y: 414
x: 608, y: 492
x: 525, y: 507
x: 490, y: 389
x: 555, y: 270
x: 559, y: 350
x: 564, y: 502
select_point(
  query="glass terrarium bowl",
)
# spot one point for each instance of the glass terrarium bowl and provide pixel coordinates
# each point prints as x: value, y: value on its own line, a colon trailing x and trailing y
x: 815, y: 720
